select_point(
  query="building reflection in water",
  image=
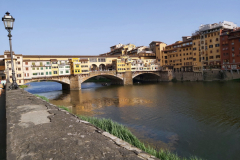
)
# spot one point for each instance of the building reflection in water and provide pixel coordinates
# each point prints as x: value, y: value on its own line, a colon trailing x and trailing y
x: 85, y: 103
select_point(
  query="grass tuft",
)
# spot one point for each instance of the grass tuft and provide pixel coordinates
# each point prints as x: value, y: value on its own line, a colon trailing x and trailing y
x: 125, y: 134
x: 65, y: 108
x: 23, y: 86
x: 42, y: 97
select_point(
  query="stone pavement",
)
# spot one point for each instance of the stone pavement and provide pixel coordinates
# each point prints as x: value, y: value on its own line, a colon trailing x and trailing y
x: 39, y: 130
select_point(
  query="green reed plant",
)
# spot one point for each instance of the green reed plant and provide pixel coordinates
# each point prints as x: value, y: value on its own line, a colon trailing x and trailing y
x: 65, y: 108
x: 23, y: 86
x: 42, y: 97
x: 125, y: 134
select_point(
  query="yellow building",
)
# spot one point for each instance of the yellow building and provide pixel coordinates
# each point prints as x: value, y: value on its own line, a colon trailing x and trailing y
x: 178, y: 56
x: 157, y: 47
x: 206, y: 45
x: 54, y: 67
x: 206, y: 51
x: 122, y: 64
x: 75, y: 66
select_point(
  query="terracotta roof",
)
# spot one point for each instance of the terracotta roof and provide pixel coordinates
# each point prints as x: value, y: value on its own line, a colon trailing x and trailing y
x: 156, y: 42
x: 63, y: 56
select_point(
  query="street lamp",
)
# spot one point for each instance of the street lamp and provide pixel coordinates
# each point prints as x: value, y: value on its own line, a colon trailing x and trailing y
x: 8, y: 21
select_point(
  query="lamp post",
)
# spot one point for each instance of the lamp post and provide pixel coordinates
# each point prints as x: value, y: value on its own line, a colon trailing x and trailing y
x: 8, y: 21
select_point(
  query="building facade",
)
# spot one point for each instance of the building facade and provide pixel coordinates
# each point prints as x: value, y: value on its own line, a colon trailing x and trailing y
x: 230, y: 49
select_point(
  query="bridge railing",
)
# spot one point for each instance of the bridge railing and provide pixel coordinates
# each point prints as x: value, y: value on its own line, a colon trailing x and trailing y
x: 93, y: 73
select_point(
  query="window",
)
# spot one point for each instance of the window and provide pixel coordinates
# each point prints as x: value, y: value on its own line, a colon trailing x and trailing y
x: 67, y: 66
x: 18, y: 62
x: 50, y: 73
x: 67, y: 71
x: 210, y: 40
x: 33, y: 68
x: 42, y: 73
x: 93, y: 59
x: 26, y: 63
x: 217, y: 56
x: 19, y: 81
x: 46, y: 67
x: 210, y: 46
x: 46, y: 73
x: 54, y: 72
x: 37, y: 68
x: 19, y: 75
x: 41, y: 68
x: 49, y: 67
x: 34, y: 74
x: 101, y: 60
x: 27, y: 68
x: 41, y: 63
x: 216, y: 45
x: 33, y: 63
x: 48, y: 62
x: 18, y: 57
x: 61, y: 72
x: 77, y: 66
x: 19, y: 69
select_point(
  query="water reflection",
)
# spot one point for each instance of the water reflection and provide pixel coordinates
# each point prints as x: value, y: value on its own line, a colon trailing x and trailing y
x: 84, y: 103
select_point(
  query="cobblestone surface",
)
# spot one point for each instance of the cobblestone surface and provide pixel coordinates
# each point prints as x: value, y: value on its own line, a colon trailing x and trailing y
x: 39, y: 130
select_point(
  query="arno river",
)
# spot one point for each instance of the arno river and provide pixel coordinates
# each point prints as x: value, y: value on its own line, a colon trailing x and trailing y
x: 189, y: 118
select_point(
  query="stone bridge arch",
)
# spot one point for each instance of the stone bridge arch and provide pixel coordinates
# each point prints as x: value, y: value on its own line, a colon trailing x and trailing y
x: 147, y: 76
x: 65, y: 81
x: 112, y: 75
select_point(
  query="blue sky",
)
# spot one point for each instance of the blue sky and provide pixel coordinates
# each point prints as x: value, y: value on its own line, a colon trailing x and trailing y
x: 90, y: 27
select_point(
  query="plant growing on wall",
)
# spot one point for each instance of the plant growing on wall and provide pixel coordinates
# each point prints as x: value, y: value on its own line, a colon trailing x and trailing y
x: 222, y: 75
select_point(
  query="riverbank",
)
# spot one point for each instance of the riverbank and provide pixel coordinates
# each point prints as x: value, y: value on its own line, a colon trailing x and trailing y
x: 60, y: 134
x: 125, y: 134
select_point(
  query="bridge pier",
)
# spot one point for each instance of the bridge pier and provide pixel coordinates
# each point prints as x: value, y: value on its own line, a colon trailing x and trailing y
x: 127, y: 78
x: 75, y: 83
x: 65, y: 86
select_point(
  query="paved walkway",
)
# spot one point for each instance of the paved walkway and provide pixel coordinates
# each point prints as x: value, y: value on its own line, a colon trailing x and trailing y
x: 39, y: 130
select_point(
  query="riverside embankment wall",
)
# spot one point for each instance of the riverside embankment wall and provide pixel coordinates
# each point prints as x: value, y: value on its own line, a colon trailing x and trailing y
x: 213, y: 75
x: 39, y: 130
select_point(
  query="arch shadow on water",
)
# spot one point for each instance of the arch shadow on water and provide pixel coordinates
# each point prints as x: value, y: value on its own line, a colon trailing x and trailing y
x: 146, y: 77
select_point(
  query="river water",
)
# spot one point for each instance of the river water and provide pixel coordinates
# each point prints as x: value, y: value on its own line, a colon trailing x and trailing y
x: 189, y: 118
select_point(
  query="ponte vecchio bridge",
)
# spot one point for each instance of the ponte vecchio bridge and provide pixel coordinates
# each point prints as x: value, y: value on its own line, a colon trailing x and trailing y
x: 73, y: 82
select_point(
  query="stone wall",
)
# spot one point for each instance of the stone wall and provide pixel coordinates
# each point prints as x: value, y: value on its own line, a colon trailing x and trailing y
x: 211, y: 75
